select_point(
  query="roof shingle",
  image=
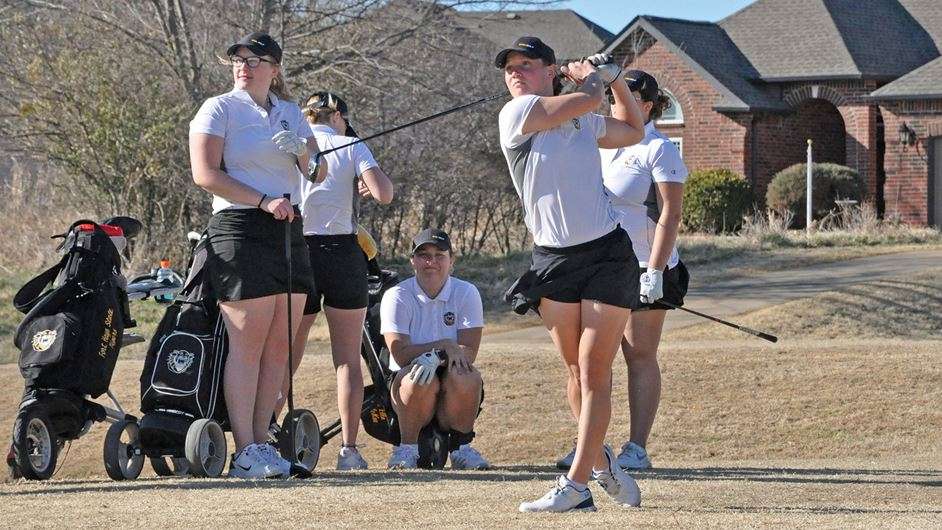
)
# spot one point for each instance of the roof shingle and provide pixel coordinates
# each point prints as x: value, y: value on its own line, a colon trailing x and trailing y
x: 828, y: 39
x: 570, y: 35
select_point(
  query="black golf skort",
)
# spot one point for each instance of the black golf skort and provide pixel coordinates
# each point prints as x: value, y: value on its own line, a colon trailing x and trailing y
x: 340, y: 271
x: 604, y: 269
x: 246, y: 255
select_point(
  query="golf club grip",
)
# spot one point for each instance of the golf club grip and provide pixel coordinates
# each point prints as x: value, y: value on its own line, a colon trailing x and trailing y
x: 412, y: 123
x: 760, y: 334
x: 290, y: 287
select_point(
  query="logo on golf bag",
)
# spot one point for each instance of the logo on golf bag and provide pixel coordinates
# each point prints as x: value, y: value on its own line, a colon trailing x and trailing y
x: 44, y: 339
x: 284, y: 124
x: 179, y: 361
x: 449, y: 319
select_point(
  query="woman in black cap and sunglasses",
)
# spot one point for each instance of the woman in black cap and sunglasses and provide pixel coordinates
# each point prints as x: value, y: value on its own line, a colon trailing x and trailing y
x: 265, y: 143
x: 329, y: 207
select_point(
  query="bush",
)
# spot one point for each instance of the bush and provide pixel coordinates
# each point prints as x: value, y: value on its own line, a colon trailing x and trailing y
x: 832, y: 182
x: 715, y: 200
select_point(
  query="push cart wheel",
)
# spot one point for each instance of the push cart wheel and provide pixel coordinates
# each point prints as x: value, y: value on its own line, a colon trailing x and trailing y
x: 300, y: 441
x: 35, y: 447
x: 205, y: 448
x: 170, y: 466
x: 433, y: 447
x: 123, y: 455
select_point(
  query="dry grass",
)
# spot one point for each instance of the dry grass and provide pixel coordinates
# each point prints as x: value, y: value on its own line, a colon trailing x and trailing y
x: 828, y: 428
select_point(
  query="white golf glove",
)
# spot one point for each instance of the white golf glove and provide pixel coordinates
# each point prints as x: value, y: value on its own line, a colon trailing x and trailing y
x: 290, y: 142
x: 599, y: 59
x: 652, y: 286
x: 423, y: 368
x: 605, y: 65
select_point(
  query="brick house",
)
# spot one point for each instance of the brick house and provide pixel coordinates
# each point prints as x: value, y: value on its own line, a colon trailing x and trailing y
x: 855, y: 76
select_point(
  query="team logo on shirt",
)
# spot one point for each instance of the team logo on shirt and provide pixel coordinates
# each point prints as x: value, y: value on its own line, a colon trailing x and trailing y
x: 575, y: 123
x: 284, y: 124
x: 449, y: 319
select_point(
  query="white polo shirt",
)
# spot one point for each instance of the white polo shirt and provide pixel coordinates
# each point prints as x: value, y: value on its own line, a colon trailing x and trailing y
x: 630, y: 175
x: 407, y: 310
x: 249, y: 155
x: 557, y: 174
x: 330, y: 207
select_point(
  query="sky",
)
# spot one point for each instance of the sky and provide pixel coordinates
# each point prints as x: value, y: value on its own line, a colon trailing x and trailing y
x: 614, y: 15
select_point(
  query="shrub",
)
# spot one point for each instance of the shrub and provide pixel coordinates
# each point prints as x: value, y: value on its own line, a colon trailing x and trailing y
x: 715, y: 200
x: 831, y: 182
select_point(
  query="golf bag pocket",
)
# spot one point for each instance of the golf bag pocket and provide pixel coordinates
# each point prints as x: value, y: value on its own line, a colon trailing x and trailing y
x: 185, y: 362
x: 47, y: 341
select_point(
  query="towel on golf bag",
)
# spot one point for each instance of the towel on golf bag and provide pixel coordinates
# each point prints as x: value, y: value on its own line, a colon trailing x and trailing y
x: 71, y: 334
x: 187, y: 355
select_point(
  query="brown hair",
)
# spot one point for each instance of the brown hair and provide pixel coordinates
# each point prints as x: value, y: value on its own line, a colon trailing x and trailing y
x: 662, y: 103
x: 279, y: 86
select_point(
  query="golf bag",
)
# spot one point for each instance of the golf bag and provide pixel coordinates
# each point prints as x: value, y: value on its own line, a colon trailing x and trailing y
x: 71, y: 334
x: 378, y: 417
x: 184, y: 366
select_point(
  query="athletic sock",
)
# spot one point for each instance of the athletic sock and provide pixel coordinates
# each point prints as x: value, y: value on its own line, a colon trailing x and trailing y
x: 578, y: 486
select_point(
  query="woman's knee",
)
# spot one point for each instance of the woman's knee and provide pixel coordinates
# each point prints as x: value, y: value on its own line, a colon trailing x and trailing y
x: 411, y: 393
x: 467, y: 384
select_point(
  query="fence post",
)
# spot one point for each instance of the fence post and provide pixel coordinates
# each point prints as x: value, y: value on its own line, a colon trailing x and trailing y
x: 810, y: 163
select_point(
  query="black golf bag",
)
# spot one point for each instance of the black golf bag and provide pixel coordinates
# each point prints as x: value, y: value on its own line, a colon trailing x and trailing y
x: 378, y: 417
x: 183, y: 369
x: 71, y: 334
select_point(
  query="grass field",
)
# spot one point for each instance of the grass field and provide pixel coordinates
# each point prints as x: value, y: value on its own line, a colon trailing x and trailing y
x: 837, y: 425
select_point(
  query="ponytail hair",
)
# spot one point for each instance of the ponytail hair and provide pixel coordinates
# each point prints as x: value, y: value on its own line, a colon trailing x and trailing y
x: 661, y: 103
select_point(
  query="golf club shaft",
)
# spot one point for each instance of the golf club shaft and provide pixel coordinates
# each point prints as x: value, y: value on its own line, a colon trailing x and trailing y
x: 760, y: 334
x: 290, y: 286
x: 416, y: 122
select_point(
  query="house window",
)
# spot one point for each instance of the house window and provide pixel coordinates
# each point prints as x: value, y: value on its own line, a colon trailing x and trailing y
x: 679, y: 142
x: 673, y: 115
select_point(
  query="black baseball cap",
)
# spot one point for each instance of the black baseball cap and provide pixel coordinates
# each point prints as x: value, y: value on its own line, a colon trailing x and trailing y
x: 437, y: 237
x: 643, y: 83
x: 258, y: 43
x: 532, y: 47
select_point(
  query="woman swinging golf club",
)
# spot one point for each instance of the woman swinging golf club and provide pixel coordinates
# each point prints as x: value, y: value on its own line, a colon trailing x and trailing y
x: 261, y: 136
x: 583, y: 274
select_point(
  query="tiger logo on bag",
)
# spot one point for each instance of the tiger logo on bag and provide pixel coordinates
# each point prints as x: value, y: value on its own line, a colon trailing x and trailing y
x: 179, y: 361
x: 44, y: 339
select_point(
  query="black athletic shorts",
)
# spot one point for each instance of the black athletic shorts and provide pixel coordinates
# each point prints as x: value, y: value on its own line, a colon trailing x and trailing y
x: 604, y: 269
x: 339, y: 266
x: 246, y: 255
x: 675, y: 288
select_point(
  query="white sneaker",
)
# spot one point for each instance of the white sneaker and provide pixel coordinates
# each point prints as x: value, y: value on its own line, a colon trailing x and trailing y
x: 565, y: 462
x: 405, y: 456
x: 275, y: 460
x: 620, y: 487
x: 564, y: 497
x: 250, y: 464
x: 349, y: 458
x: 633, y: 456
x: 467, y: 457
